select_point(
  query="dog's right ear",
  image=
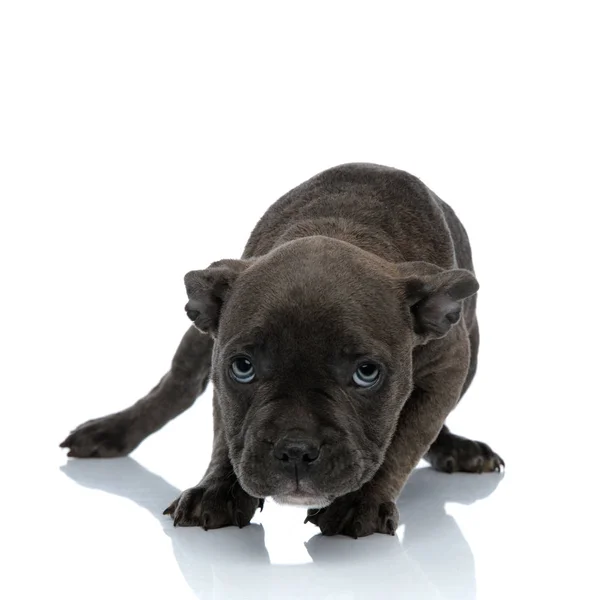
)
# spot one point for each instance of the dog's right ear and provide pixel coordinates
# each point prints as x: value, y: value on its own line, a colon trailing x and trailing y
x: 435, y: 297
x: 208, y: 290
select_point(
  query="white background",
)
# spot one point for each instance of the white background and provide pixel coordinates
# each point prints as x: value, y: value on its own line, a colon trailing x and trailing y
x: 139, y: 140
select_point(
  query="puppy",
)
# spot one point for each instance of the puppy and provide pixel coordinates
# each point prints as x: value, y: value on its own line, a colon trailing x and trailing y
x: 337, y: 346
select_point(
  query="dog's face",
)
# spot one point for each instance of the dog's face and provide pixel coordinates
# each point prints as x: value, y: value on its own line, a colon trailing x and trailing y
x: 312, y: 360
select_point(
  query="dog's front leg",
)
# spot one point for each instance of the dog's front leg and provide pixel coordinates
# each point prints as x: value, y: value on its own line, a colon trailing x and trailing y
x: 218, y: 500
x: 372, y: 508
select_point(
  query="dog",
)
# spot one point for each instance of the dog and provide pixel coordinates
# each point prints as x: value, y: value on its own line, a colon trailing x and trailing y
x: 337, y: 346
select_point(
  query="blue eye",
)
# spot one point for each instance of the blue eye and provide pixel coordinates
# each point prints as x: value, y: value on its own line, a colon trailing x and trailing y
x: 367, y: 375
x: 242, y: 370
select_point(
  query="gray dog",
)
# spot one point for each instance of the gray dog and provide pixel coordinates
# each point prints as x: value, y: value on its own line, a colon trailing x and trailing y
x: 337, y: 345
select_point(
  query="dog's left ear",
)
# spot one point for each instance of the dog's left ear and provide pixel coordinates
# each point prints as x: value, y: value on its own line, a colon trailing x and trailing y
x: 208, y: 290
x: 435, y: 297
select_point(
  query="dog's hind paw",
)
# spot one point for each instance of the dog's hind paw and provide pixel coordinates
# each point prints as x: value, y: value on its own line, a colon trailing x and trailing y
x: 212, y: 505
x: 451, y: 453
x: 356, y: 515
x: 106, y: 437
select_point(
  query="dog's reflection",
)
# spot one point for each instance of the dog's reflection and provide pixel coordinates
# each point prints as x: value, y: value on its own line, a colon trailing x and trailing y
x: 434, y: 559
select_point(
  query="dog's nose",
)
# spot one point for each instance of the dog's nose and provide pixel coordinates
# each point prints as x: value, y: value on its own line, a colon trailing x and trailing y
x: 296, y: 451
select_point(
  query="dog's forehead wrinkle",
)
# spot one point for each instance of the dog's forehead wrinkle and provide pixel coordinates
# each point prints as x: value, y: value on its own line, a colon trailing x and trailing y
x: 308, y: 261
x: 311, y: 303
x: 241, y: 340
x: 285, y: 338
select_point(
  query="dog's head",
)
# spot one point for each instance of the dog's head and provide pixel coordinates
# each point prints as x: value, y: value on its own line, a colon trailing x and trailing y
x: 312, y: 360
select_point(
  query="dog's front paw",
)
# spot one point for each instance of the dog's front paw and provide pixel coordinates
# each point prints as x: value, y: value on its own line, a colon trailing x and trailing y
x: 105, y: 437
x: 212, y: 505
x: 357, y: 515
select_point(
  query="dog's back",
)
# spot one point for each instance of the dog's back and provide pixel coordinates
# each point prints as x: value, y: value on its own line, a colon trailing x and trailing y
x: 381, y: 209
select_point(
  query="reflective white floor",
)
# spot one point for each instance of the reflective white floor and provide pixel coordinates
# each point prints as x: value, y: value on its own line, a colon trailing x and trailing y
x: 280, y: 557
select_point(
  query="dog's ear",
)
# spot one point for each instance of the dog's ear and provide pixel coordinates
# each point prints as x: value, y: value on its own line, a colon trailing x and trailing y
x: 435, y: 297
x: 207, y: 291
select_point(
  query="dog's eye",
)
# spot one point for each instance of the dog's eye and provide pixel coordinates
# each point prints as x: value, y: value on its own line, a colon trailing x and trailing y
x: 242, y: 370
x: 366, y: 375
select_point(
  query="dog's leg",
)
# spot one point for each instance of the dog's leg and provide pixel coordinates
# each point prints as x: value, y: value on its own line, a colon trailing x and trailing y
x: 119, y: 433
x: 218, y: 500
x: 372, y: 508
x: 474, y: 348
x: 450, y: 453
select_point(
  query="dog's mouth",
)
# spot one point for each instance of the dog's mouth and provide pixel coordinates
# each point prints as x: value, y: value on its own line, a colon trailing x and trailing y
x: 289, y: 490
x: 300, y: 498
x: 303, y: 493
x: 306, y: 490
